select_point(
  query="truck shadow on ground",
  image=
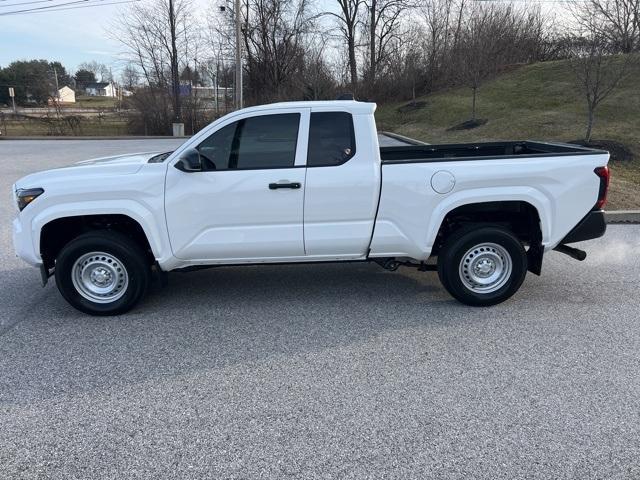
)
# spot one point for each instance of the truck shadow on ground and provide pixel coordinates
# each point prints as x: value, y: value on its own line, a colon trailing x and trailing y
x: 211, y: 319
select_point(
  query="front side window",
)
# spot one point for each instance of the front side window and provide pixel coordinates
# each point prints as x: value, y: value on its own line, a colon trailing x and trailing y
x: 265, y: 141
x: 215, y: 151
x: 331, y: 139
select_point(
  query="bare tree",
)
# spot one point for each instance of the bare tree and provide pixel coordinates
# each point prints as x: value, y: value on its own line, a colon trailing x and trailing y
x: 480, y: 49
x: 157, y: 35
x: 386, y: 31
x: 616, y: 21
x: 173, y: 57
x: 274, y: 36
x: 437, y: 16
x: 274, y: 43
x: 491, y: 37
x: 99, y: 70
x: 289, y: 52
x: 218, y: 64
x: 348, y: 21
x: 539, y: 38
x: 597, y: 70
x: 404, y: 71
x: 318, y: 80
x: 130, y: 76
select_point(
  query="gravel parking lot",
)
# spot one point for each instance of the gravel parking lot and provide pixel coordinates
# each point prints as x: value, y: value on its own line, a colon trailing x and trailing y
x: 332, y: 371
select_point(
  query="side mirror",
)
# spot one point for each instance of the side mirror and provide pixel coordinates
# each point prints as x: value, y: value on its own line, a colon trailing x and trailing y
x: 189, y: 161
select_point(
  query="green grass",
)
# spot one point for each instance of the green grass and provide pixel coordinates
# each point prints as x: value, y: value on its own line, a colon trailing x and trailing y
x: 94, y: 102
x: 538, y: 102
x: 111, y: 125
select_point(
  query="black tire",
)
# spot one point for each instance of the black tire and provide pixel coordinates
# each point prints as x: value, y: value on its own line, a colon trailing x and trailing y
x: 128, y: 257
x: 496, y: 243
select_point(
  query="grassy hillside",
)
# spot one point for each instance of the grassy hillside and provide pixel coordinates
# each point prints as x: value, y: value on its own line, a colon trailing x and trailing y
x: 537, y: 102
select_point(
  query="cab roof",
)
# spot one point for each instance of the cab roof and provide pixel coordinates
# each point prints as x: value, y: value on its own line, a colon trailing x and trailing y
x: 346, y: 105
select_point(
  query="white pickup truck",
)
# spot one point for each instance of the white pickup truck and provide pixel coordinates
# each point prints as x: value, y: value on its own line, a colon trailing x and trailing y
x: 308, y: 182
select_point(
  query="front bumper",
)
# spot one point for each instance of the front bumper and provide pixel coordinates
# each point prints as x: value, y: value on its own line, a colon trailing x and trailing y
x: 23, y: 244
x: 591, y: 226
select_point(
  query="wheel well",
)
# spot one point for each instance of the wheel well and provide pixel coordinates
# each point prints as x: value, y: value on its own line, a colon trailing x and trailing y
x: 521, y: 218
x: 57, y: 233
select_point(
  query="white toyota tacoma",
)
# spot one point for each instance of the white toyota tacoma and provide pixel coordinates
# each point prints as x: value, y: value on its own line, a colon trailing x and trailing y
x: 308, y: 182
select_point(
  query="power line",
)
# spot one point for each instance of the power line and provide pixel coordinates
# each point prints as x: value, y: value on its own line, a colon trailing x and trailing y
x: 44, y: 8
x: 87, y: 6
x: 54, y: 8
x: 530, y: 2
x: 19, y: 4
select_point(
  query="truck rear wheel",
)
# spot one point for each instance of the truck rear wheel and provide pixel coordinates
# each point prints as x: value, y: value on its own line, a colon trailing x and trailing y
x: 102, y: 273
x: 482, y: 266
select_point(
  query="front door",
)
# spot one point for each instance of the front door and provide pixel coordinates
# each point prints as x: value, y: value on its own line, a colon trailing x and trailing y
x: 247, y: 203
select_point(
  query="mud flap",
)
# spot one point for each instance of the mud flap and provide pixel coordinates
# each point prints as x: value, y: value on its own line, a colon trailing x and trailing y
x: 44, y: 275
x: 534, y: 258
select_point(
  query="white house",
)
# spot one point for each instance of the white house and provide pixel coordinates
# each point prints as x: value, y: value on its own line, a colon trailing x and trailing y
x: 63, y: 96
x: 66, y: 95
x: 101, y: 89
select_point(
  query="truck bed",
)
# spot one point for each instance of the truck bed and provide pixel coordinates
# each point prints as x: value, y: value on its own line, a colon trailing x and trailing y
x: 480, y: 151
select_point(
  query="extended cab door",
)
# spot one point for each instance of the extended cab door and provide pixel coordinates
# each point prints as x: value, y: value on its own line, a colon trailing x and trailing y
x: 247, y: 203
x: 343, y: 181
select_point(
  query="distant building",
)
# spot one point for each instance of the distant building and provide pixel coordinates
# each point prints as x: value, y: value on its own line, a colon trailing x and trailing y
x: 204, y: 92
x: 66, y: 95
x: 101, y: 89
x: 210, y: 92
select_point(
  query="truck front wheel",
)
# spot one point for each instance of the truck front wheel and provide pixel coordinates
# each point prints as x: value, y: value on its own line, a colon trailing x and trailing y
x: 102, y: 273
x: 482, y: 266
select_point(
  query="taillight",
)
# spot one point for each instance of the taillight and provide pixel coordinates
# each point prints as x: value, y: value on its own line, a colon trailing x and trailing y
x: 605, y: 175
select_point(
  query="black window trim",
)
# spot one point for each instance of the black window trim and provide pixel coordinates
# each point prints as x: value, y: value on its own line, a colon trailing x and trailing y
x: 352, y: 134
x: 236, y: 138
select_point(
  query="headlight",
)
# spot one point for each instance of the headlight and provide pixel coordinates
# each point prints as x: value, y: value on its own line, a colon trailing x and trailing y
x: 27, y: 195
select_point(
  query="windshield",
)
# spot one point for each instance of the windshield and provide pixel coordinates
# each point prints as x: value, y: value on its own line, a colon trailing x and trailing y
x: 161, y: 157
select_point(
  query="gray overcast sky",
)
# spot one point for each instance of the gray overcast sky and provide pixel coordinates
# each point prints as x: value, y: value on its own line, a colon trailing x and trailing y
x: 75, y: 36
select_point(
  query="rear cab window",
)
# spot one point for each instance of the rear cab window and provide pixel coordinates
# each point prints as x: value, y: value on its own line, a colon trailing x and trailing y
x: 331, y: 139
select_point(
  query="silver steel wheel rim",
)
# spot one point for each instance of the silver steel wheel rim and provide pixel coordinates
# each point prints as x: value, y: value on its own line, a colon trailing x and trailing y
x: 485, y: 268
x: 100, y: 277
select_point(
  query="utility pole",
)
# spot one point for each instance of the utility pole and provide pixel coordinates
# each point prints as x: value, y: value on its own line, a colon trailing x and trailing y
x: 55, y: 74
x: 192, y: 76
x: 175, y: 74
x: 238, y: 57
x: 215, y: 89
x: 372, y: 48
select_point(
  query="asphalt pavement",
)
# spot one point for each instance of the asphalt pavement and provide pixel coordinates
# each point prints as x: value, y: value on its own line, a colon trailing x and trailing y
x: 327, y: 371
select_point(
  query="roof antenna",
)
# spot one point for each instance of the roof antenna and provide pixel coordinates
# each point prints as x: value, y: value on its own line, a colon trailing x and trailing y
x: 346, y: 96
